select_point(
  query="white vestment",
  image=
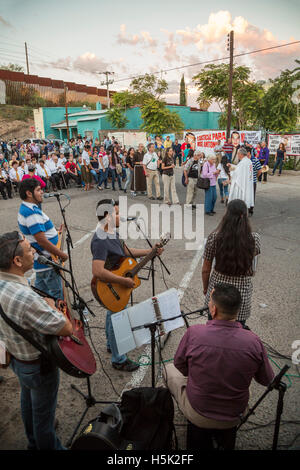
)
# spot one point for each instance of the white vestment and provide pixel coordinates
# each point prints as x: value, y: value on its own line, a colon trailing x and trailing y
x: 242, y: 183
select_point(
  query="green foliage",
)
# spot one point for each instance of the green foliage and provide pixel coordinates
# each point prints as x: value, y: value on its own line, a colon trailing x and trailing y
x: 247, y: 96
x: 117, y: 117
x: 15, y: 113
x: 182, y: 92
x: 12, y: 67
x: 148, y: 86
x: 158, y: 119
x: 279, y: 110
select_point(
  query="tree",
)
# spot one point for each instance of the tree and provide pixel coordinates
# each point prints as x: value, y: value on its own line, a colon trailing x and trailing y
x: 280, y: 113
x: 158, y: 119
x: 117, y: 117
x: 247, y: 96
x: 12, y: 67
x: 148, y: 86
x: 182, y: 92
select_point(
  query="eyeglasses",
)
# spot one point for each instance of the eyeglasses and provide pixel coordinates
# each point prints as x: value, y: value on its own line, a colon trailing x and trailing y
x: 17, y: 238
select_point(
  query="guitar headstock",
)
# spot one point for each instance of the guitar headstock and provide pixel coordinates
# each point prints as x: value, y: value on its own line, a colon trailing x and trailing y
x: 164, y: 239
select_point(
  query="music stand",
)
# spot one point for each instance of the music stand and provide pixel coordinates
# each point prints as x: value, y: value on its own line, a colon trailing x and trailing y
x: 152, y: 328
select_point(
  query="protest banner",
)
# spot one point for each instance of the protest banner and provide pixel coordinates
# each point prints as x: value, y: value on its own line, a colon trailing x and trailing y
x: 208, y: 139
x: 290, y: 141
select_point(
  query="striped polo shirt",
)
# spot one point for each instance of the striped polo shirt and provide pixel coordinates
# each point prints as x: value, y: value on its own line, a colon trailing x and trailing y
x: 256, y: 167
x: 32, y: 220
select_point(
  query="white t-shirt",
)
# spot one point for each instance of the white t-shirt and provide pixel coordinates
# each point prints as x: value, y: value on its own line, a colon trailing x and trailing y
x: 86, y: 157
x: 223, y: 173
x: 150, y: 160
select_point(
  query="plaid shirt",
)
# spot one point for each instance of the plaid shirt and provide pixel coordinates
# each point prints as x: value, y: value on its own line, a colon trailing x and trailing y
x: 30, y: 311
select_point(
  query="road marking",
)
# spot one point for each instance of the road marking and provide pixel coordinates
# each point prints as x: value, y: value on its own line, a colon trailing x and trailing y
x: 139, y: 375
x: 85, y: 237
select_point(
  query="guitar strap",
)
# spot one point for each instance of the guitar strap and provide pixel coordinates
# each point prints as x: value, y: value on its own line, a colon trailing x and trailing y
x: 47, y: 364
x: 125, y: 246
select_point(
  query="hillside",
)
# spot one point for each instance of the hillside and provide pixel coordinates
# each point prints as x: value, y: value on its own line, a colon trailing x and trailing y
x: 15, y: 122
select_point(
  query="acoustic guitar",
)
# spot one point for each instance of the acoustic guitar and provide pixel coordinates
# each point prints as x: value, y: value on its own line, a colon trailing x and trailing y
x: 71, y: 353
x: 115, y: 296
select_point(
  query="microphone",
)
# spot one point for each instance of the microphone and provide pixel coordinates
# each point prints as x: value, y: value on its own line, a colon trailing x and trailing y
x: 43, y: 260
x: 127, y: 219
x: 46, y: 195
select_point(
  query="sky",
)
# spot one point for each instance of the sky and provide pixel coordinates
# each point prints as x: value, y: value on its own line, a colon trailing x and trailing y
x: 74, y: 40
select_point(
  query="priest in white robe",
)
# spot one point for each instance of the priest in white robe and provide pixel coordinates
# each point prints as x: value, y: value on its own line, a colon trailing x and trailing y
x: 242, y: 179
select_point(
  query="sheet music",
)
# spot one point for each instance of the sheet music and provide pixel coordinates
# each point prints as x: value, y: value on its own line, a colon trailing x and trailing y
x: 141, y: 314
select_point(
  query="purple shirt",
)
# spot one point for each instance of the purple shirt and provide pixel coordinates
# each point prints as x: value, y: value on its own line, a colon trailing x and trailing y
x: 208, y: 172
x: 220, y: 359
x: 264, y: 155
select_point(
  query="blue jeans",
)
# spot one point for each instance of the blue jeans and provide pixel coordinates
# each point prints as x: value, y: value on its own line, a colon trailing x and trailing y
x: 229, y: 157
x: 103, y: 177
x: 129, y: 174
x: 50, y: 282
x: 114, y: 175
x: 95, y: 175
x: 279, y: 162
x: 210, y: 199
x: 38, y: 405
x: 111, y: 340
x: 223, y: 189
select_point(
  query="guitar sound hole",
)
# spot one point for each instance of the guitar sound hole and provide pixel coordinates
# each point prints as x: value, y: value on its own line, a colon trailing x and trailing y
x: 129, y: 275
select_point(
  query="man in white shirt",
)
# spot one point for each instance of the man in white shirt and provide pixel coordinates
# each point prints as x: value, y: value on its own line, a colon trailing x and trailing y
x: 242, y: 179
x: 15, y: 174
x: 54, y: 168
x: 150, y: 163
x: 44, y: 172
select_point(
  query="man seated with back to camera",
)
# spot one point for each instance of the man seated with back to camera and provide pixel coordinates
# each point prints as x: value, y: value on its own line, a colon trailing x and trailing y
x: 215, y: 363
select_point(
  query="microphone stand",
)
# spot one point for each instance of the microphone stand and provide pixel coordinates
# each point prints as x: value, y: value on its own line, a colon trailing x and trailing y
x: 80, y: 306
x: 281, y: 387
x: 152, y: 271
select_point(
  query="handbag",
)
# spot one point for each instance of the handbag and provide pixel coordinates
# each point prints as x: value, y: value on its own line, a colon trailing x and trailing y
x: 203, y: 183
x: 118, y: 168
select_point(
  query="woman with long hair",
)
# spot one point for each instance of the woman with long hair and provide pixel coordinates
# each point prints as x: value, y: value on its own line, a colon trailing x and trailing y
x: 280, y: 159
x: 224, y: 179
x: 168, y: 177
x: 129, y: 167
x: 233, y: 247
x: 115, y: 168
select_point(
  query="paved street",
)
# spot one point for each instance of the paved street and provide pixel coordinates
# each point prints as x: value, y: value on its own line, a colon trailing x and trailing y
x: 275, y: 309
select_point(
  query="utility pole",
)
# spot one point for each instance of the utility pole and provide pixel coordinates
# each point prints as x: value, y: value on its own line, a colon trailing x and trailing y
x: 230, y: 47
x: 107, y: 82
x: 67, y: 116
x: 26, y: 54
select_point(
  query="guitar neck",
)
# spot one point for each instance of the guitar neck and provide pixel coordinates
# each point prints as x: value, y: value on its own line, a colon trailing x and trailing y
x: 144, y: 261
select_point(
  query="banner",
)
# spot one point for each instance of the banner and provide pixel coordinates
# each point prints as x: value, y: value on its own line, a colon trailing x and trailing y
x: 160, y: 139
x: 207, y: 140
x: 290, y: 141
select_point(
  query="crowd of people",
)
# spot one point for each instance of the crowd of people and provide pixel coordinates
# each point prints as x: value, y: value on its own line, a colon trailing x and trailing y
x: 89, y: 163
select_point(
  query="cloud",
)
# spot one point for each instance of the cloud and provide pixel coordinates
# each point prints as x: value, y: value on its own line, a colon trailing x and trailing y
x: 144, y: 38
x: 170, y: 47
x: 5, y: 23
x: 211, y: 38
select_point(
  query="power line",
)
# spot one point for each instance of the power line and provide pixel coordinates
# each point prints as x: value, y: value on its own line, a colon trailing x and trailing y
x: 210, y: 61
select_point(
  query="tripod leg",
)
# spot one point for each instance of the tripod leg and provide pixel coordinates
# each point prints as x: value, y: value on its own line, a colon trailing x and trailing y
x: 78, y: 425
x: 281, y: 391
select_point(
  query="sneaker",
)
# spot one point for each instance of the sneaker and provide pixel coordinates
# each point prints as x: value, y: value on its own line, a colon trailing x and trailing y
x: 213, y: 212
x: 99, y: 187
x: 126, y: 366
x: 108, y: 350
x: 152, y: 198
x: 160, y: 198
x: 209, y: 213
x: 194, y: 206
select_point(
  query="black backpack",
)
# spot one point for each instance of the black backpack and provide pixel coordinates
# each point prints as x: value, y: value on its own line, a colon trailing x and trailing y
x: 142, y: 421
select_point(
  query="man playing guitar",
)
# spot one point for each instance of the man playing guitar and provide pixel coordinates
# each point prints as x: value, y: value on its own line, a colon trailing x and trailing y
x: 39, y: 317
x: 42, y: 235
x: 107, y: 250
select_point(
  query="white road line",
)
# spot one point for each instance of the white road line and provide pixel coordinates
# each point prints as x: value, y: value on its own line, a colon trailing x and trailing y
x: 138, y: 376
x: 85, y: 237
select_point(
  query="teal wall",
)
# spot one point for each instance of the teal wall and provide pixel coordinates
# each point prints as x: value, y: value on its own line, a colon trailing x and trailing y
x: 55, y: 115
x: 191, y: 120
